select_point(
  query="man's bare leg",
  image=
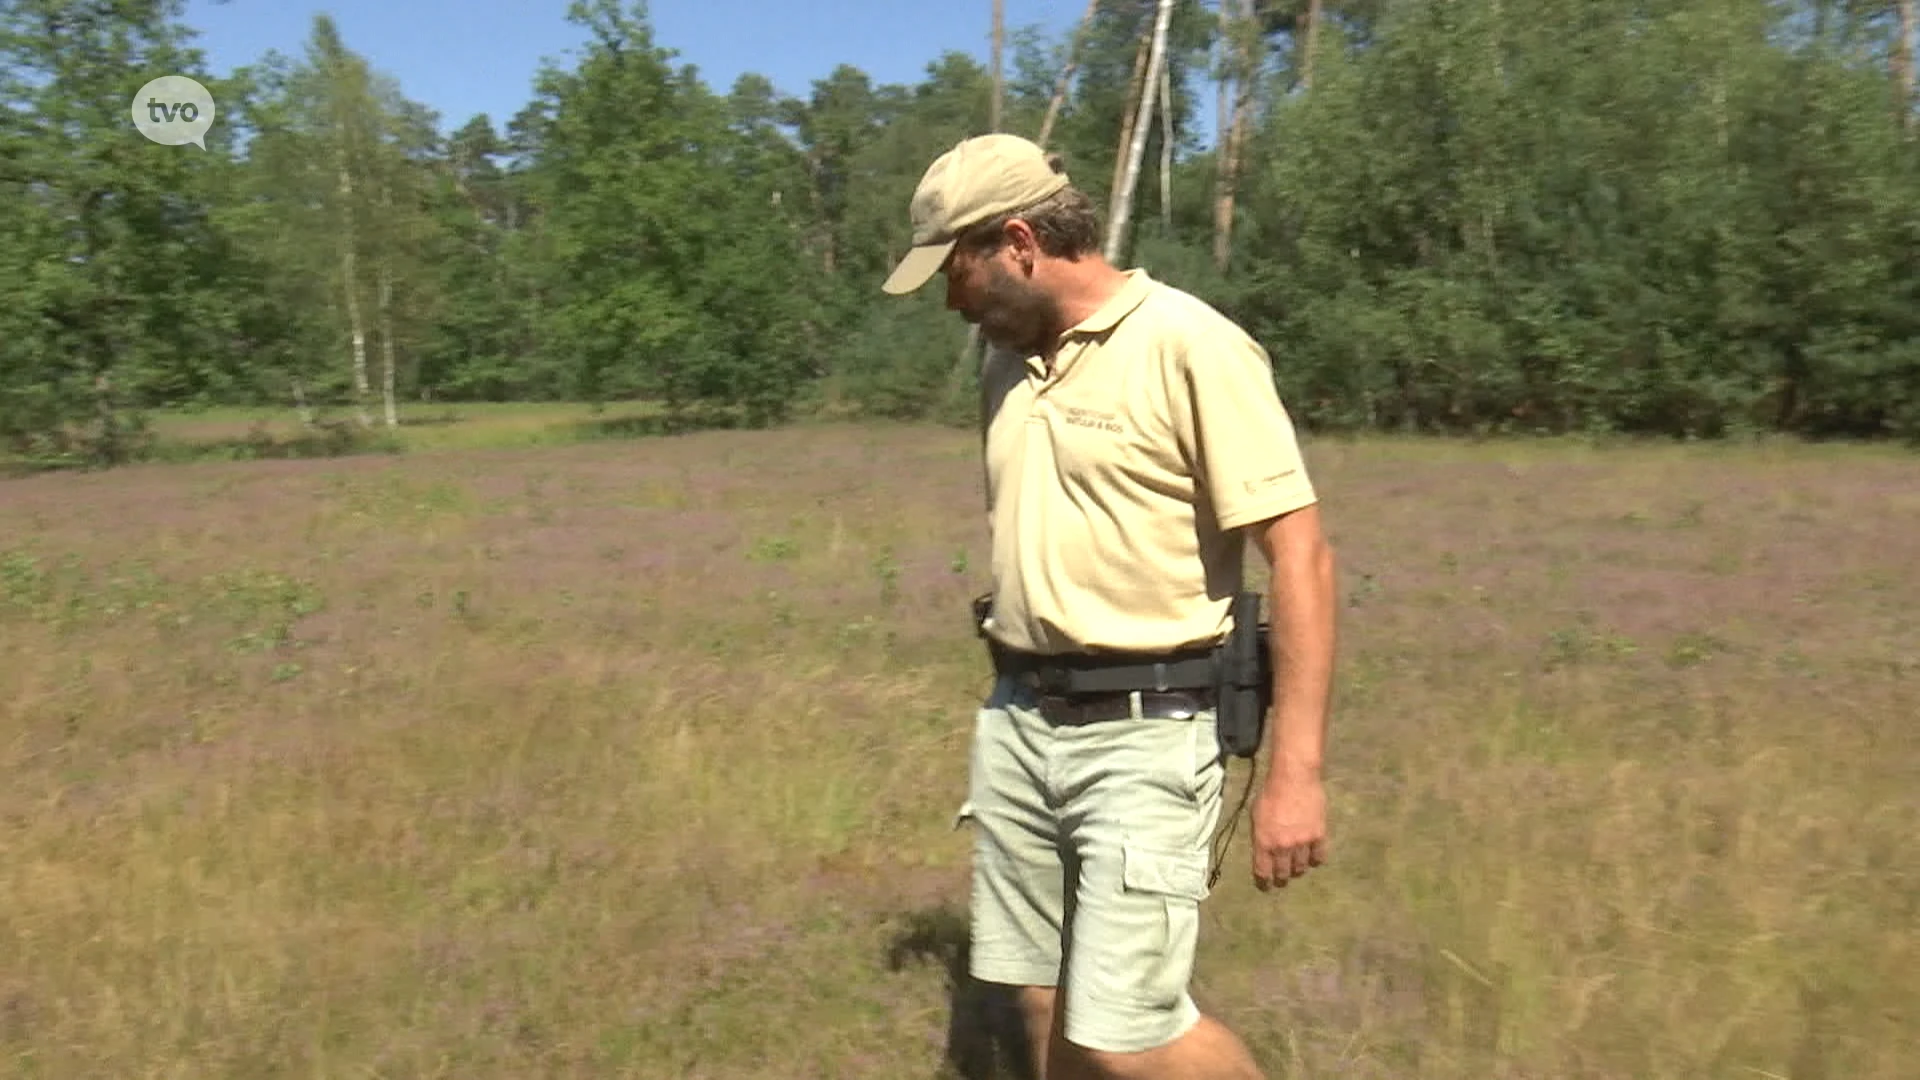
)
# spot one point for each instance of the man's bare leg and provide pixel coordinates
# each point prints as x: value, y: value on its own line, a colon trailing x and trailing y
x: 1207, y: 1052
x: 1042, y: 1023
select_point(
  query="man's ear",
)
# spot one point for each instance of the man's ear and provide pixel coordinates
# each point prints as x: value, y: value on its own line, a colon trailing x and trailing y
x: 1024, y: 243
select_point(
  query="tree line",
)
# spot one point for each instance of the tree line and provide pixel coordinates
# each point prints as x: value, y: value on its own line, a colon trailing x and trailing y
x: 1676, y: 217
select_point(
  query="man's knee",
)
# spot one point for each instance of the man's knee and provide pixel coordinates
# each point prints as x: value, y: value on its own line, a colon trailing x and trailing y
x: 1045, y: 1020
x: 1036, y: 1005
x: 1203, y: 1049
x: 1106, y: 1065
x: 1071, y: 1061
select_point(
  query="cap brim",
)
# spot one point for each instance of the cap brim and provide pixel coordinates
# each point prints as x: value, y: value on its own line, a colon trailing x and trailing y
x: 917, y: 268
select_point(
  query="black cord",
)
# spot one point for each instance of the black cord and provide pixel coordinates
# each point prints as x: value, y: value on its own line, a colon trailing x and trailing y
x: 1226, y: 843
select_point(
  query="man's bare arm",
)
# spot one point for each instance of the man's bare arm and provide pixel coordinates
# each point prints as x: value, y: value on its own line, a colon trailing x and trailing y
x: 1289, y: 821
x: 1301, y: 599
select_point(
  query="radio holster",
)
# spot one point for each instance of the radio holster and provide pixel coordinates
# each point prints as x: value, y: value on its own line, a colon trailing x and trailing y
x: 1244, y: 688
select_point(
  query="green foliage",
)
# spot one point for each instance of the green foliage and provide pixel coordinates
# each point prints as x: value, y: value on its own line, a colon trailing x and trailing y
x: 674, y: 242
x: 1696, y: 219
x: 111, y: 273
x: 1575, y: 216
x: 904, y: 361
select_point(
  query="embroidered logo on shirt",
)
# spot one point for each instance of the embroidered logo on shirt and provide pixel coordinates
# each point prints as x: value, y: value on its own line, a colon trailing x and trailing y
x: 1268, y: 481
x: 1088, y: 418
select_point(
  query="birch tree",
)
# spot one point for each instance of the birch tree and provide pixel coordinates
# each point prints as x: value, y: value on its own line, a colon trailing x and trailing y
x: 1137, y: 134
x: 341, y: 94
x: 284, y: 215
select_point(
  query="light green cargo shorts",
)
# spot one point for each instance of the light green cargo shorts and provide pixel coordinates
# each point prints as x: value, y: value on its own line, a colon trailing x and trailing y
x: 1090, y: 855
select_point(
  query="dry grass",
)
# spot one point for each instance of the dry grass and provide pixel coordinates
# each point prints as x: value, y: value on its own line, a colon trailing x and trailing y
x: 640, y: 760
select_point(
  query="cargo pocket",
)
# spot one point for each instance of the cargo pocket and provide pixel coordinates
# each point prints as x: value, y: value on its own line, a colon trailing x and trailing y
x: 1163, y: 891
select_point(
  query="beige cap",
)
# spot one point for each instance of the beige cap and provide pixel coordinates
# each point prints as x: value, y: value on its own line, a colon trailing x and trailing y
x: 980, y: 178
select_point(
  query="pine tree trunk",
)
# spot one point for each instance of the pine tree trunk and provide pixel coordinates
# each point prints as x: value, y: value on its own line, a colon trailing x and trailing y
x: 1223, y: 173
x: 1903, y: 63
x: 108, y: 447
x: 1233, y: 135
x: 1137, y: 145
x: 1066, y: 74
x: 1313, y: 40
x: 828, y: 240
x: 999, y: 78
x: 1166, y: 148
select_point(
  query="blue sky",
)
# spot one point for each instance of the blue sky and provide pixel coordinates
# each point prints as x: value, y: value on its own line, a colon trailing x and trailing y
x: 462, y: 57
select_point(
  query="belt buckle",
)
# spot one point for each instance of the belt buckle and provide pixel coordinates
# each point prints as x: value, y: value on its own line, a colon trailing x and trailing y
x: 1179, y: 706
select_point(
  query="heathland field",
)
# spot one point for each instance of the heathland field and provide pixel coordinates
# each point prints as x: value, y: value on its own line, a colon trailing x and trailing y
x: 641, y: 758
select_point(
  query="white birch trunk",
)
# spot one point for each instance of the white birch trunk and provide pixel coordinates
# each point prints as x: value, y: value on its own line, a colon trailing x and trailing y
x: 1166, y: 147
x: 350, y: 286
x: 392, y: 416
x: 388, y: 405
x: 1137, y: 145
x: 300, y: 402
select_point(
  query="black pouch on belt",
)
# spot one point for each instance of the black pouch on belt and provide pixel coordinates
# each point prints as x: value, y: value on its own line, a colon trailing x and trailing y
x: 1243, y: 679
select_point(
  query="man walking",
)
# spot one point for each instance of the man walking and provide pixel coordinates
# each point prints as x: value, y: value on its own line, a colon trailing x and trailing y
x: 1134, y: 441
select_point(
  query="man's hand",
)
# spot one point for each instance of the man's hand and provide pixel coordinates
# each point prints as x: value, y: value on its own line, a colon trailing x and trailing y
x: 1289, y: 828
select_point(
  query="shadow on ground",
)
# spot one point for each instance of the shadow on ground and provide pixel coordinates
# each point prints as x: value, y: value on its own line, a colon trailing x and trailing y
x: 984, y: 1038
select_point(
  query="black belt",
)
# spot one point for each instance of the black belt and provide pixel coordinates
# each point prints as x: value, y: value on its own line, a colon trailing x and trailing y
x: 1064, y: 711
x: 1089, y: 688
x: 1074, y: 674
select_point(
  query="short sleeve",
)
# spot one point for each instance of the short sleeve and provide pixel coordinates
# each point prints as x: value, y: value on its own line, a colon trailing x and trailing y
x: 1234, y: 430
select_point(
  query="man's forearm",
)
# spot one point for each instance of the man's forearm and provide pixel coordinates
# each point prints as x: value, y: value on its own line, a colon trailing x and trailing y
x: 1302, y: 639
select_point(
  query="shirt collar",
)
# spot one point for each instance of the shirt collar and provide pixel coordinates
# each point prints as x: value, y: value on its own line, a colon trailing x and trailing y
x: 1132, y: 293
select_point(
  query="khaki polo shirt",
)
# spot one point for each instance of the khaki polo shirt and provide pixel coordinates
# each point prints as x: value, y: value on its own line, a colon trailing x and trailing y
x: 1116, y: 483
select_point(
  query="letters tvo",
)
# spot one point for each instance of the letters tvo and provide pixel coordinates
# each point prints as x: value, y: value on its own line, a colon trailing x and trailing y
x: 161, y: 112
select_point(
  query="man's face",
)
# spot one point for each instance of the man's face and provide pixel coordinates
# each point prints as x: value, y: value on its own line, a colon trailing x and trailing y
x: 1011, y: 312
